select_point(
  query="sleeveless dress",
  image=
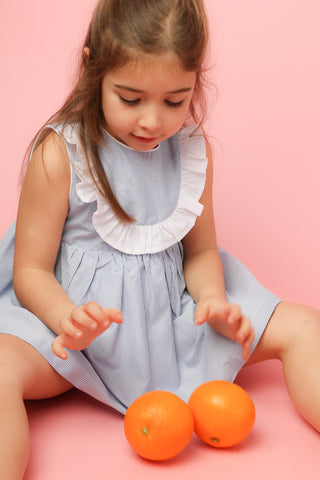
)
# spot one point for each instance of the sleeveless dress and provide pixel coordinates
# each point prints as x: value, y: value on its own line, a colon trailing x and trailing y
x: 137, y: 268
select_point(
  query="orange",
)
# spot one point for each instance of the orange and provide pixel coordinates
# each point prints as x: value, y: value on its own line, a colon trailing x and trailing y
x: 158, y: 425
x: 223, y: 413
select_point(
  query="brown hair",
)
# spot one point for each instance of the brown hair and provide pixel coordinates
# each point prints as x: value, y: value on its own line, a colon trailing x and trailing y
x: 120, y: 31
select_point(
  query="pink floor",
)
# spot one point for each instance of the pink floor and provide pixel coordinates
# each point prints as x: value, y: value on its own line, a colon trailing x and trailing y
x: 74, y: 437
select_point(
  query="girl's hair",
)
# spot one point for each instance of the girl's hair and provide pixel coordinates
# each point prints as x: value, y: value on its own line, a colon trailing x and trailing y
x: 120, y: 31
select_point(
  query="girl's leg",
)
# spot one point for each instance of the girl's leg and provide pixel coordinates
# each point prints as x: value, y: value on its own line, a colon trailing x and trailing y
x: 293, y: 336
x: 24, y: 374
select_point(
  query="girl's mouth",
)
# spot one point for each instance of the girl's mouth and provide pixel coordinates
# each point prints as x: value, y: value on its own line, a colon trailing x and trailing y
x: 145, y: 139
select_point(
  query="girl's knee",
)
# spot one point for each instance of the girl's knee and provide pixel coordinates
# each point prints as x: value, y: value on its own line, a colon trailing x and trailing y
x: 290, y: 326
x: 11, y: 363
x: 294, y: 324
x: 23, y: 369
x: 297, y: 318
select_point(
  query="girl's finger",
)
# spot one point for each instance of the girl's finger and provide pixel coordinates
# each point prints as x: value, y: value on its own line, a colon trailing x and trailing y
x: 94, y: 311
x: 113, y: 315
x: 201, y: 314
x: 81, y: 319
x: 235, y: 314
x: 101, y: 315
x: 245, y: 337
x: 246, y: 346
x: 244, y: 330
x: 58, y: 349
x: 69, y: 329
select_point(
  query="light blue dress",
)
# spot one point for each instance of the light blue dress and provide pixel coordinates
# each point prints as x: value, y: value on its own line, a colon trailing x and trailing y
x: 137, y: 268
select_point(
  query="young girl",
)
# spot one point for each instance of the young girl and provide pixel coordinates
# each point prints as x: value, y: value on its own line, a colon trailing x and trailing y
x: 111, y: 279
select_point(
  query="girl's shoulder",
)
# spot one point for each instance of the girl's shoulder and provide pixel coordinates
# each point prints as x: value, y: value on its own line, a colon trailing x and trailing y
x: 69, y: 132
x: 48, y: 163
x: 49, y: 151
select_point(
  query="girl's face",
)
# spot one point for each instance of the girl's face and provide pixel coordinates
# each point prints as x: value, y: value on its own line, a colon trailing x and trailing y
x: 146, y: 101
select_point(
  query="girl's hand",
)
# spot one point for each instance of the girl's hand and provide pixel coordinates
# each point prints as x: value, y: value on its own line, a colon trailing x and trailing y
x: 228, y: 320
x: 84, y: 325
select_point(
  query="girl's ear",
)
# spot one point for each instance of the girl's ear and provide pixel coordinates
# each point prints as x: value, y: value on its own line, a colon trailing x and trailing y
x: 86, y: 53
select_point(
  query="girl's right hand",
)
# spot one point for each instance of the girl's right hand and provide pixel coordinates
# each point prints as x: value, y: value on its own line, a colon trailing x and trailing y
x: 84, y: 324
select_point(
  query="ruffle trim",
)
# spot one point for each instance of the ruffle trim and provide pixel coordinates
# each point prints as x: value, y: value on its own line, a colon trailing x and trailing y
x: 144, y: 239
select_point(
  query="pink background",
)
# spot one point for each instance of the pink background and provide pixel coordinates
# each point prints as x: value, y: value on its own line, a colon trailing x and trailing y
x: 266, y: 191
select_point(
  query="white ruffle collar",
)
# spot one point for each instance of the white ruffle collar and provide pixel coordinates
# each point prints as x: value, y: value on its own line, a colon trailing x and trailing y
x: 136, y: 239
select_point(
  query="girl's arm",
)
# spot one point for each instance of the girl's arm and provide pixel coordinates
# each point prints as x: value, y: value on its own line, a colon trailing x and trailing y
x: 202, y: 264
x: 42, y: 211
x: 204, y: 275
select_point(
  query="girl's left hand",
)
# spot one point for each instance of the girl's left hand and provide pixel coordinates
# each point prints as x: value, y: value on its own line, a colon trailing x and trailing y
x: 228, y: 320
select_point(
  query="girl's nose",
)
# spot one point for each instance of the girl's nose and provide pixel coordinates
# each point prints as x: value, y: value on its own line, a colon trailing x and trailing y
x: 150, y: 119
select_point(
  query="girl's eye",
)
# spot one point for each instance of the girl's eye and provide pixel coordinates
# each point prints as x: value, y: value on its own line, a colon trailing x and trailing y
x: 130, y: 102
x: 174, y: 104
x: 137, y: 100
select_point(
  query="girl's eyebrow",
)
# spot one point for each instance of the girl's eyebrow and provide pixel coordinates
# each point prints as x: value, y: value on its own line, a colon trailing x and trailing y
x: 179, y: 90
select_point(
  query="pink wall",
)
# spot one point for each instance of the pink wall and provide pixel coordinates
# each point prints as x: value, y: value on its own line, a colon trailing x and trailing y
x: 267, y: 123
x: 264, y: 121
